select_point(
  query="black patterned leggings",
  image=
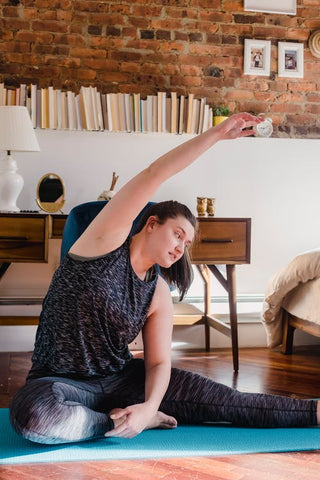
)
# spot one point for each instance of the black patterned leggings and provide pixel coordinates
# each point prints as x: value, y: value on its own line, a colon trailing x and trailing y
x: 54, y: 410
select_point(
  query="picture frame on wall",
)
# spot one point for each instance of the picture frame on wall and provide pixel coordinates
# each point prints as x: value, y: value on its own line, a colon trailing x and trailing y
x: 257, y: 57
x: 290, y: 59
x: 286, y: 7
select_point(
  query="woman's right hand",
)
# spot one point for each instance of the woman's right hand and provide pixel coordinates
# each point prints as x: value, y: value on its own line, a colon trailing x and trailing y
x: 236, y: 126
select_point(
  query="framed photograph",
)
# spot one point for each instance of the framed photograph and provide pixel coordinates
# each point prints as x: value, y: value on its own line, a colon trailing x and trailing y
x: 286, y: 7
x: 290, y: 59
x: 257, y: 57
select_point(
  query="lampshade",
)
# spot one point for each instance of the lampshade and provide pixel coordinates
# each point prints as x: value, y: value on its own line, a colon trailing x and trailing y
x: 16, y: 130
x: 16, y: 134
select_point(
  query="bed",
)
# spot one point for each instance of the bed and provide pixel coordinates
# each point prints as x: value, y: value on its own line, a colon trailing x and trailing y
x: 292, y: 301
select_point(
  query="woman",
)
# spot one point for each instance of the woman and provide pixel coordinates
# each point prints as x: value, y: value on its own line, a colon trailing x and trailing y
x: 83, y: 382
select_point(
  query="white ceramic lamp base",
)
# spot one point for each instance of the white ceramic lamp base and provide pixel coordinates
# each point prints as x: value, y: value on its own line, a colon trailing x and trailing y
x: 11, y: 184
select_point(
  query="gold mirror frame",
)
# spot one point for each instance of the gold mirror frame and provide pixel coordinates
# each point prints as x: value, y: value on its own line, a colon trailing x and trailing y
x: 55, y: 205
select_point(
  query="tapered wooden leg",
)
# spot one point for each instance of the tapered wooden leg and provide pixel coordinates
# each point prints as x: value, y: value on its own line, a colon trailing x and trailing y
x: 288, y: 332
x: 231, y: 287
x: 205, y: 274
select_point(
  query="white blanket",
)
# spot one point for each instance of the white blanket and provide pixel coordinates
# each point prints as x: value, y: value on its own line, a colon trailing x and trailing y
x: 296, y: 287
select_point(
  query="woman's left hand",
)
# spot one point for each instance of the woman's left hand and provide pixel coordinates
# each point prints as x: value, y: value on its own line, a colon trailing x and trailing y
x: 238, y: 125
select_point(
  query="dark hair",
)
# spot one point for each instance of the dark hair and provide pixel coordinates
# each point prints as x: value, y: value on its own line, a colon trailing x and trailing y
x: 180, y: 274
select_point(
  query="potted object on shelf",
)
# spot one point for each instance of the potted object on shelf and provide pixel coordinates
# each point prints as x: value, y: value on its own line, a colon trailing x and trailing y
x: 108, y: 194
x: 220, y: 113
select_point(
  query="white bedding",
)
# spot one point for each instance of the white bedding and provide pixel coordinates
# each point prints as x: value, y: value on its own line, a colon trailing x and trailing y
x: 296, y: 287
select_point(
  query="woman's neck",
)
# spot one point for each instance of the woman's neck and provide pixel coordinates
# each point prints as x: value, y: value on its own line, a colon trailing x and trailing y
x: 139, y: 261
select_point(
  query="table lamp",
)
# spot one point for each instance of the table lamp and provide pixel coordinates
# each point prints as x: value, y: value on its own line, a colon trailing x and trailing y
x: 16, y: 134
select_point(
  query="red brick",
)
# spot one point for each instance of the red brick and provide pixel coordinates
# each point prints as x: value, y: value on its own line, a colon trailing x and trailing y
x: 175, y: 12
x: 191, y: 70
x: 171, y: 69
x: 286, y: 108
x: 99, y: 64
x: 49, y: 26
x: 139, y: 22
x: 289, y: 97
x: 29, y: 13
x: 255, y: 85
x: 64, y: 16
x: 315, y: 109
x: 191, y: 81
x: 233, y: 5
x: 279, y: 86
x: 74, y: 40
x: 15, y: 24
x: 203, y: 60
x: 166, y: 24
x: 231, y: 29
x: 129, y: 67
x: 299, y: 34
x: 171, y: 46
x: 239, y: 95
x: 252, y: 106
x: 207, y: 4
x: 269, y: 32
x: 120, y: 8
x: 205, y: 50
x: 301, y: 86
x: 90, y: 6
x: 87, y: 52
x: 266, y: 97
x: 216, y: 17
x: 143, y: 44
x: 282, y: 20
x: 7, y: 35
x: 10, y: 12
x: 106, y: 19
x: 301, y: 119
x: 82, y: 74
x: 313, y: 97
x: 61, y: 61
x: 146, y: 11
x: 48, y: 15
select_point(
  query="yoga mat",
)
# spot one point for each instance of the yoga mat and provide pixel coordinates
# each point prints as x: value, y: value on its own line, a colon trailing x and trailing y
x: 184, y: 441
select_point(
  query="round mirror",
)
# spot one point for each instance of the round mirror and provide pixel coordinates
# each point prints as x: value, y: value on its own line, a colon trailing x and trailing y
x: 50, y: 193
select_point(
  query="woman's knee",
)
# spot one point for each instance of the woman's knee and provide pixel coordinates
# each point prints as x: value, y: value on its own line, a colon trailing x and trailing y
x: 34, y: 410
x: 49, y: 411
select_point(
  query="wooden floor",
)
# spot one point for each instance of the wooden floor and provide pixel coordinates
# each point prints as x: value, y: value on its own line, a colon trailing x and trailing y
x: 261, y: 370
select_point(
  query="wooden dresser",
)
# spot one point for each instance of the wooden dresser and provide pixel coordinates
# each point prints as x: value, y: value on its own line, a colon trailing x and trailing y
x: 24, y: 237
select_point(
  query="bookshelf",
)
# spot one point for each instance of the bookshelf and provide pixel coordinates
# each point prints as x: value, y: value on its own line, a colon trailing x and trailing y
x: 91, y: 110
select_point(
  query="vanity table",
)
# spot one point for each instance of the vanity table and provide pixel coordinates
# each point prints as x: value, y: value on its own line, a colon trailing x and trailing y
x: 24, y: 237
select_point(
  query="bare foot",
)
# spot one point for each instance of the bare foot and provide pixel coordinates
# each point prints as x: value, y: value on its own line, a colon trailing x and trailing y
x: 160, y: 420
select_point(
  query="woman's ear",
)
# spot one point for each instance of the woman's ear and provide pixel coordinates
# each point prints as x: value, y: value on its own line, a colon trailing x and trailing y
x: 151, y: 223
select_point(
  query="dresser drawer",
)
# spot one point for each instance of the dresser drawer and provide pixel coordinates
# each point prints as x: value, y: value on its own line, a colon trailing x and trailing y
x: 24, y: 237
x: 58, y: 222
x: 222, y: 240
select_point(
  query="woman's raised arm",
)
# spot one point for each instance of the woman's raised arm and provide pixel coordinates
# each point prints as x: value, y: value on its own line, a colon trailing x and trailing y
x: 112, y: 225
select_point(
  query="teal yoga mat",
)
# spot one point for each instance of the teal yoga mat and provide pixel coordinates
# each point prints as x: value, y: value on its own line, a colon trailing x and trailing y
x: 184, y: 441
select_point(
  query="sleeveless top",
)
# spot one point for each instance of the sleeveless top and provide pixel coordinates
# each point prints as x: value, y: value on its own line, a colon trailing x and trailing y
x: 93, y: 309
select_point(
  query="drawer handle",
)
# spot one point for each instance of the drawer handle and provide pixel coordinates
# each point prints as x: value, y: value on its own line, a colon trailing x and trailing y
x: 13, y: 238
x: 217, y: 240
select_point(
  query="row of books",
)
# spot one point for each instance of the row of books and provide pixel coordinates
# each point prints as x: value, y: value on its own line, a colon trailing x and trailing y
x: 115, y: 112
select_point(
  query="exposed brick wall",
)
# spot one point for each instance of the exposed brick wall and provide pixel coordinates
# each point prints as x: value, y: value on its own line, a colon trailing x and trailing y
x: 145, y: 46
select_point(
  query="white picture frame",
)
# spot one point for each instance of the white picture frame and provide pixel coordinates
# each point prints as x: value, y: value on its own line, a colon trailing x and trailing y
x: 286, y: 7
x: 290, y: 59
x: 257, y: 57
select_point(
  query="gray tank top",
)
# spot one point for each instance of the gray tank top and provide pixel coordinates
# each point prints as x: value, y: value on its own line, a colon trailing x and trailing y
x: 92, y: 311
